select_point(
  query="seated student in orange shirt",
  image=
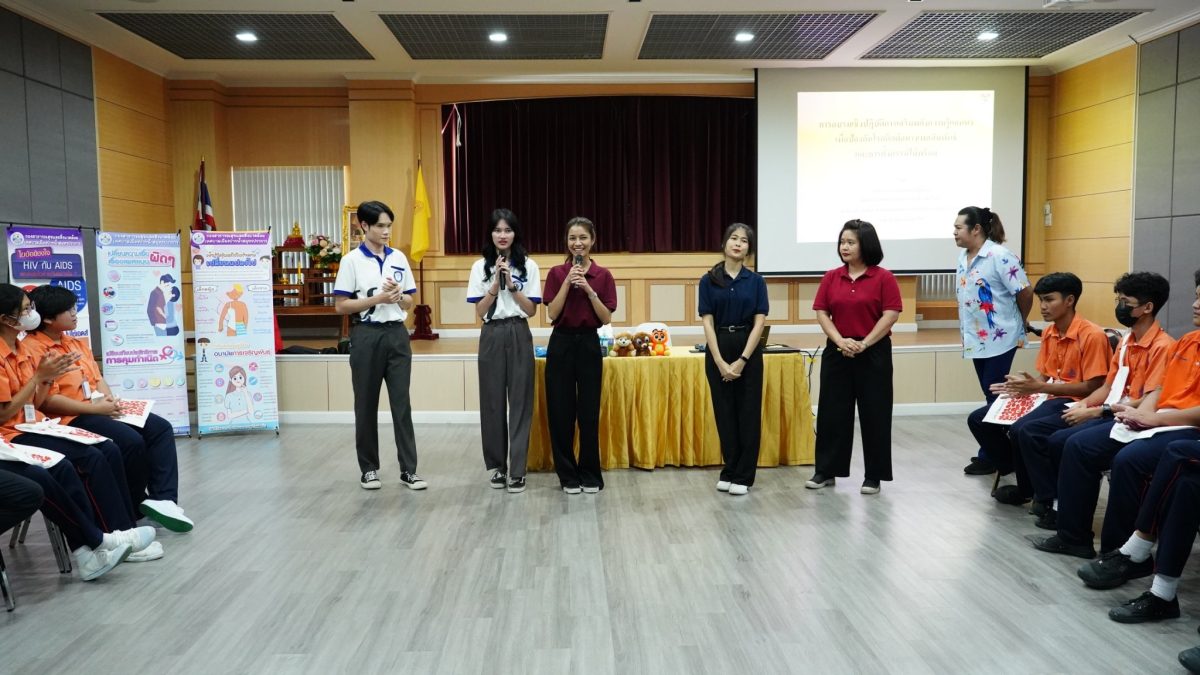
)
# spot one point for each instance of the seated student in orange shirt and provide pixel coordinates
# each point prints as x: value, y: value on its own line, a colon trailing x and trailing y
x: 150, y: 462
x: 1135, y: 370
x: 1169, y: 413
x: 1071, y: 364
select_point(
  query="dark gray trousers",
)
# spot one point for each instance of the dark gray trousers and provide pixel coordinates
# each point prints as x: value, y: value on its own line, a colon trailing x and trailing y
x: 506, y: 393
x: 381, y: 353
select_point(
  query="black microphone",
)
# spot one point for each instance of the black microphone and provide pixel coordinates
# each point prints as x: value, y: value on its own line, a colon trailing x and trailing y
x: 500, y: 277
x: 578, y: 260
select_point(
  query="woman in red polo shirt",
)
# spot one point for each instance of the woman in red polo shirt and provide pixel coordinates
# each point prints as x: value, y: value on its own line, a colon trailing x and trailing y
x: 856, y: 305
x: 580, y: 297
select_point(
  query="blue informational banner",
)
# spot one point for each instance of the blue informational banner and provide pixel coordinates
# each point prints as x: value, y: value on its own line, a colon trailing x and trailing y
x: 235, y: 331
x: 50, y: 255
x: 141, y: 321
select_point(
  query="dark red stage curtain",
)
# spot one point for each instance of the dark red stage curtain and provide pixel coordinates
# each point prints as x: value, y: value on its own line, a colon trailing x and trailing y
x: 654, y: 173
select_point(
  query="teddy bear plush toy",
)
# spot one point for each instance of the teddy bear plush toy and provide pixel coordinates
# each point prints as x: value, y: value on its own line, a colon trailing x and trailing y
x: 622, y: 345
x: 658, y: 343
x: 641, y: 344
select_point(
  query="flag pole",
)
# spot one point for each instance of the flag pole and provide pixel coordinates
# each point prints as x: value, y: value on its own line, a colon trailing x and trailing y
x: 423, y: 329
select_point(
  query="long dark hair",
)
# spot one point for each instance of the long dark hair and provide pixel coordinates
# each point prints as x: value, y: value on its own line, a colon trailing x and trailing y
x: 717, y: 273
x: 987, y: 221
x: 585, y: 224
x: 516, y: 252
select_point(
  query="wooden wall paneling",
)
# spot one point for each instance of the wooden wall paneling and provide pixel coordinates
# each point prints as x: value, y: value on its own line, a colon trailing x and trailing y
x: 1098, y: 126
x: 461, y: 93
x: 670, y: 302
x: 289, y: 136
x: 779, y: 293
x: 134, y: 179
x: 429, y: 149
x: 1037, y: 143
x: 621, y: 316
x: 383, y: 150
x: 1101, y: 215
x: 1098, y: 260
x: 1103, y: 79
x: 131, y: 132
x: 452, y: 309
x: 119, y: 81
x: 198, y: 131
x: 122, y: 215
x: 1105, y: 170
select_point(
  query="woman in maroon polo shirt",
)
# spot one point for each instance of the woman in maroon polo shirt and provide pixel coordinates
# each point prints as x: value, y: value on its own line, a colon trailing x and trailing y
x: 580, y: 297
x: 856, y: 305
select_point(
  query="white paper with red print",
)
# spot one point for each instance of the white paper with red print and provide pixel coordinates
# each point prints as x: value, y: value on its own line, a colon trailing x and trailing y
x: 51, y: 427
x: 1008, y: 409
x: 27, y: 454
x: 134, y: 411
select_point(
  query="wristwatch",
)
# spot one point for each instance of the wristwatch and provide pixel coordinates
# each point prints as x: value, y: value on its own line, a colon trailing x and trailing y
x: 1106, y: 411
x: 743, y: 358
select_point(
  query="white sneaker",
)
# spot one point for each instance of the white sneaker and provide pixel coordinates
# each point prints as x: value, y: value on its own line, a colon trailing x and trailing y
x: 152, y: 552
x: 723, y: 486
x: 166, y: 513
x: 138, y: 538
x: 591, y: 489
x: 735, y: 489
x: 95, y: 563
x: 572, y: 489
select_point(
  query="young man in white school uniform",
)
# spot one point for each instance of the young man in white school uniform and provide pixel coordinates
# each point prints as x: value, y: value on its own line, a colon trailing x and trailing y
x: 375, y: 282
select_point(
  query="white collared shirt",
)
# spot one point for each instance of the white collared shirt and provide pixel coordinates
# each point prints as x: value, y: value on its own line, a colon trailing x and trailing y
x: 361, y: 274
x: 529, y: 283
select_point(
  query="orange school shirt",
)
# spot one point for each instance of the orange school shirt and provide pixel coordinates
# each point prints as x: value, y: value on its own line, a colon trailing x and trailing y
x: 17, y: 367
x: 71, y: 384
x: 1075, y: 356
x: 1147, y: 361
x: 1181, y: 383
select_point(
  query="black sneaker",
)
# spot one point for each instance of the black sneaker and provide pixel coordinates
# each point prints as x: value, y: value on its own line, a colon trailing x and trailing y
x: 370, y: 481
x: 1048, y: 521
x: 1055, y: 544
x: 1145, y: 607
x: 498, y: 480
x: 819, y: 480
x: 1010, y: 494
x: 869, y: 487
x: 412, y: 481
x: 1114, y: 568
x: 979, y: 467
x: 1039, y: 508
x: 516, y: 485
x: 1190, y: 659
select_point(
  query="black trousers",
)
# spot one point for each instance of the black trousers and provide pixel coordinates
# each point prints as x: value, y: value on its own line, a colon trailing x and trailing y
x: 64, y: 500
x: 1170, y: 510
x: 380, y: 352
x: 737, y: 407
x: 865, y: 381
x: 19, y: 498
x: 574, y: 373
x: 151, y: 463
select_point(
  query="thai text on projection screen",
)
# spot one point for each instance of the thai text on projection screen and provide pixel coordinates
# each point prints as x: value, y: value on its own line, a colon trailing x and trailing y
x: 899, y: 159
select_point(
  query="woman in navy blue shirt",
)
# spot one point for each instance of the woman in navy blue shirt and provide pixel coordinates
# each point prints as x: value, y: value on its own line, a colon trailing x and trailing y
x: 733, y: 306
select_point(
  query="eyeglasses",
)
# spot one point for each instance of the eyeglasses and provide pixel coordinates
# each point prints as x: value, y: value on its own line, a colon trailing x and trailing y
x: 1135, y: 304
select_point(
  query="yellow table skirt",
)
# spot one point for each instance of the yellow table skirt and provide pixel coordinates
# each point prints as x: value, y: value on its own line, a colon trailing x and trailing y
x: 656, y: 411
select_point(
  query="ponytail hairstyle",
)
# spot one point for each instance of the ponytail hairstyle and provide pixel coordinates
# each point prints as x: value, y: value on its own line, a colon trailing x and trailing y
x: 516, y: 251
x: 988, y: 222
x: 717, y: 273
x: 585, y: 224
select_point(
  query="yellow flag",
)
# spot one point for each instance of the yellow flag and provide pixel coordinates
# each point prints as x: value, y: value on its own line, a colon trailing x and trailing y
x: 421, y: 216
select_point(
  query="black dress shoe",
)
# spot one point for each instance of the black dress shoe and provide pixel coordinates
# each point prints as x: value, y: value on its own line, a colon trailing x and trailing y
x: 1010, y: 494
x: 1190, y: 659
x: 1112, y: 569
x: 1145, y: 607
x: 1048, y: 521
x: 1039, y: 508
x: 979, y: 467
x: 1055, y: 544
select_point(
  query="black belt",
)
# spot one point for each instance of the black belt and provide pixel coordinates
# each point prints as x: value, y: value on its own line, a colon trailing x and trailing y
x: 381, y: 324
x: 733, y: 329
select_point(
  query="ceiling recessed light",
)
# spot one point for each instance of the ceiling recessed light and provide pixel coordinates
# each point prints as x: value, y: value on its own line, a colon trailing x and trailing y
x: 988, y: 35
x: 247, y: 36
x: 744, y: 37
x: 498, y: 37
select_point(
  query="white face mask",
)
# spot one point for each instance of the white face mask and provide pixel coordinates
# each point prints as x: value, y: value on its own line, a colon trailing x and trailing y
x: 31, y: 320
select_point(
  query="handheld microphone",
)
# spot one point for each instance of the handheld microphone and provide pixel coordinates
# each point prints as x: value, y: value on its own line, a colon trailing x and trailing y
x: 500, y: 278
x: 578, y: 259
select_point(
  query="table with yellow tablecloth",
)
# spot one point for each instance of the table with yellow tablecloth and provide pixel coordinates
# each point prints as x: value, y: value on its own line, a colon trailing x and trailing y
x: 656, y: 411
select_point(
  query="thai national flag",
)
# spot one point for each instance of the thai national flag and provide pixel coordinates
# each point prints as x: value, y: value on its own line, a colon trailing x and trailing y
x: 204, y: 210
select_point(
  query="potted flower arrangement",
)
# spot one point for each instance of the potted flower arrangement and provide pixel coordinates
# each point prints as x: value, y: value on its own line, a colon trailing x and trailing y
x: 323, y: 253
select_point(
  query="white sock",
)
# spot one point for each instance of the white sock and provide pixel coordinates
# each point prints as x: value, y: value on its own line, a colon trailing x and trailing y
x: 1164, y: 587
x: 1137, y: 549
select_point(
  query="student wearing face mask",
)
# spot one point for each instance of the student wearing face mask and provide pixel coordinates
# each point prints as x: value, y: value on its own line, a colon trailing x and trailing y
x: 1136, y: 369
x: 99, y: 489
x: 506, y: 290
